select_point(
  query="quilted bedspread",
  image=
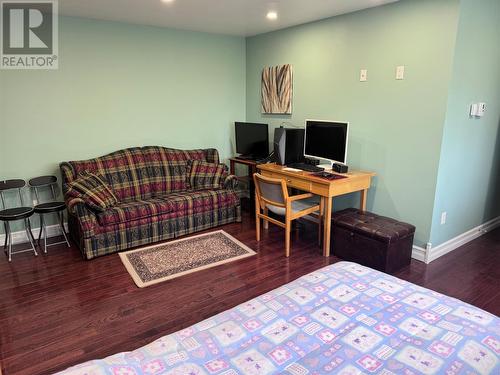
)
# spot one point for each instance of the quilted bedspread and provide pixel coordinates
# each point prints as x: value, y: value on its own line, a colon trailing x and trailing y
x: 343, y: 319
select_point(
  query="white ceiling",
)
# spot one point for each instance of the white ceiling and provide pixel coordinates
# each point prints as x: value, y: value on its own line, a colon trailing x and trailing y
x: 231, y: 17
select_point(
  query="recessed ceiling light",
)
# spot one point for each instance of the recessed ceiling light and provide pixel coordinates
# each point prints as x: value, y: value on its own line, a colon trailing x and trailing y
x: 167, y: 1
x: 272, y: 15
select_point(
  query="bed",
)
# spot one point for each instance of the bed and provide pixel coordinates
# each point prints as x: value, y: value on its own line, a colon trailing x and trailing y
x: 344, y: 319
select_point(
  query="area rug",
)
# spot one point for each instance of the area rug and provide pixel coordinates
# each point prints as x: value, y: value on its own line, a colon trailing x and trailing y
x: 154, y: 264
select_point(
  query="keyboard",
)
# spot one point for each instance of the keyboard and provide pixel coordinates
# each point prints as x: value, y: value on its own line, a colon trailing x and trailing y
x: 305, y: 167
x: 328, y: 175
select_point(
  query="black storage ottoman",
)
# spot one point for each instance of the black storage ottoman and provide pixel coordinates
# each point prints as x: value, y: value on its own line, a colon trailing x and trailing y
x: 374, y: 241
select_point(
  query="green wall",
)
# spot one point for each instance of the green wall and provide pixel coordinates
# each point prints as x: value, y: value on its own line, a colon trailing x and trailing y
x: 468, y: 187
x: 396, y: 126
x: 121, y: 85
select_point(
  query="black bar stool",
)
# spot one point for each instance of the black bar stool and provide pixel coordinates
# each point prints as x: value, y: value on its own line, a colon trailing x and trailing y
x: 51, y: 207
x: 8, y: 215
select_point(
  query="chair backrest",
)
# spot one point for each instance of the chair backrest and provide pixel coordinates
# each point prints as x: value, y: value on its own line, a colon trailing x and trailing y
x: 10, y: 185
x: 39, y: 183
x: 270, y: 190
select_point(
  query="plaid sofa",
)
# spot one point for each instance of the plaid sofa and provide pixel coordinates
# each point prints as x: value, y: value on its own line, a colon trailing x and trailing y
x: 156, y: 202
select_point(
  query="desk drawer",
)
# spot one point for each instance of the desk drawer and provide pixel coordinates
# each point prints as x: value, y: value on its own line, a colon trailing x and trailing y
x: 294, y: 182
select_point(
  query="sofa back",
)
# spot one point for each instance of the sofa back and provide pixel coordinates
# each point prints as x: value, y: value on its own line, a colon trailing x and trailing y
x: 141, y: 172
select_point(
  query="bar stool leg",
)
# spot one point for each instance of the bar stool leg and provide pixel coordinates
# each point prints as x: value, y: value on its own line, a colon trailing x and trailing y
x: 41, y: 229
x: 61, y: 224
x: 5, y: 231
x: 30, y: 230
x: 27, y: 227
x: 9, y: 241
x: 44, y: 238
x: 5, y: 248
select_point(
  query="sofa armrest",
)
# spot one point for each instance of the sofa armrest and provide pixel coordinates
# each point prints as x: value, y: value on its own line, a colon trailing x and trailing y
x: 86, y: 218
x: 231, y: 182
x: 67, y: 173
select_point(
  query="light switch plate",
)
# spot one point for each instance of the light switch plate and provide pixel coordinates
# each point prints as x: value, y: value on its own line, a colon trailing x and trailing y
x: 400, y: 72
x: 477, y: 110
x: 473, y: 110
x: 443, y: 217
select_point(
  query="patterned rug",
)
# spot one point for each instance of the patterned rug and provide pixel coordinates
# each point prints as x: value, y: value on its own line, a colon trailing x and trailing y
x: 154, y: 264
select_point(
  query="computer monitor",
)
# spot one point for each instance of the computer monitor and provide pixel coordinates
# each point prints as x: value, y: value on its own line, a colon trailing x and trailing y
x: 326, y: 140
x: 252, y: 140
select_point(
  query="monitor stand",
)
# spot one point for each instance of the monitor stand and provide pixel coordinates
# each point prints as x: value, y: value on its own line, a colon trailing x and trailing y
x: 335, y: 167
x: 326, y: 166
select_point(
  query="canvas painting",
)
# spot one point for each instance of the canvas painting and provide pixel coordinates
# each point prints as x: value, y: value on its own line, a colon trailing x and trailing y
x: 276, y: 89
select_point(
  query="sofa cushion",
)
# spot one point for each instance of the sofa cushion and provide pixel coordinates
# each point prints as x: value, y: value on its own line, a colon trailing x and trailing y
x: 169, y: 206
x: 125, y: 171
x: 204, y: 175
x: 134, y: 210
x: 192, y: 202
x: 93, y: 190
x: 168, y: 169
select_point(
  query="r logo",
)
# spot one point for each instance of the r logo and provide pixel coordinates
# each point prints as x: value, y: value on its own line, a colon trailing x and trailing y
x: 27, y: 28
x: 29, y: 34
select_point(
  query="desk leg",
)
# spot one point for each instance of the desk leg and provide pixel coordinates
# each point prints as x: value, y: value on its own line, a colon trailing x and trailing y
x: 362, y: 200
x: 251, y: 170
x: 320, y: 221
x: 257, y: 219
x: 327, y: 217
x: 232, y: 168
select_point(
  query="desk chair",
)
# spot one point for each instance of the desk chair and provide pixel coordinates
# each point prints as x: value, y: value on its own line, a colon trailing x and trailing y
x: 7, y: 215
x: 271, y: 194
x: 50, y: 207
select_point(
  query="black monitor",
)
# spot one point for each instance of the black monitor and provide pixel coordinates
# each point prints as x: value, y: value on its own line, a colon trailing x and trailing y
x: 252, y: 140
x: 326, y: 140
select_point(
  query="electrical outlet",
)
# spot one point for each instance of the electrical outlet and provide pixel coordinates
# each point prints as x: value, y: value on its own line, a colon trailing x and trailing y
x: 443, y: 218
x: 363, y: 75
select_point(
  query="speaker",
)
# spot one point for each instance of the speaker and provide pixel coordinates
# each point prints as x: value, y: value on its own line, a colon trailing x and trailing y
x: 340, y: 168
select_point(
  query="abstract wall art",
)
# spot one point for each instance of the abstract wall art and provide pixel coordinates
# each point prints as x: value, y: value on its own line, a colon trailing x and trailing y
x: 277, y: 89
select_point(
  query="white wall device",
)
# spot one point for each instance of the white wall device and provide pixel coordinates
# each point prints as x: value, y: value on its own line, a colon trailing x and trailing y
x: 477, y: 109
x: 400, y: 72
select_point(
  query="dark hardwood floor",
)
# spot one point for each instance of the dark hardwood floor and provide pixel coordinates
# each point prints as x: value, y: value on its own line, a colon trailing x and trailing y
x: 58, y: 310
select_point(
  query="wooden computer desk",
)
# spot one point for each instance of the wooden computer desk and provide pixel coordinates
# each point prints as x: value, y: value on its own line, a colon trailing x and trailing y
x: 326, y: 189
x: 252, y: 168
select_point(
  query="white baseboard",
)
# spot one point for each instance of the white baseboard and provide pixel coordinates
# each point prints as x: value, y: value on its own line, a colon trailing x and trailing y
x: 462, y: 239
x: 20, y: 236
x: 434, y: 253
x: 419, y: 253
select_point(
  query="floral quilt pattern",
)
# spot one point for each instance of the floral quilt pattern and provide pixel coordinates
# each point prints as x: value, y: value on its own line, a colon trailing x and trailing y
x: 345, y: 319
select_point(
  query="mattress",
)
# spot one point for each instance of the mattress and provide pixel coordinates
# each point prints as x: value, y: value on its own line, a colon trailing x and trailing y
x: 344, y: 319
